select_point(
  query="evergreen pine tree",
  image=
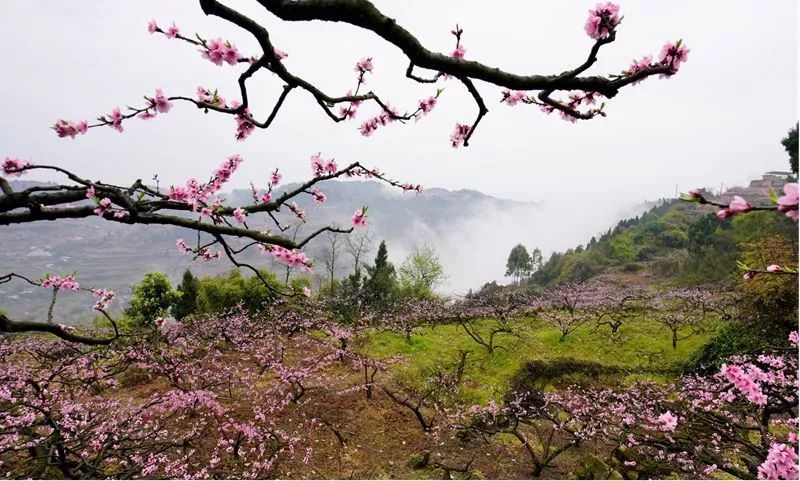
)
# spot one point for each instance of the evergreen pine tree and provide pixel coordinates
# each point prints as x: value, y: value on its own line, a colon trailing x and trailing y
x: 380, y: 286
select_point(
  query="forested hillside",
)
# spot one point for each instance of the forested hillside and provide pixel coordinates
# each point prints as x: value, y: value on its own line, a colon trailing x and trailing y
x: 679, y: 243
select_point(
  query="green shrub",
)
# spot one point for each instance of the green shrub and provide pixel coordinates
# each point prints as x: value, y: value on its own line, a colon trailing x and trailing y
x: 538, y: 374
x: 218, y: 294
x: 729, y: 340
x: 152, y: 297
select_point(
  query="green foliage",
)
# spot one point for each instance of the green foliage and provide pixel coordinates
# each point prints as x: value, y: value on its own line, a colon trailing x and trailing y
x: 536, y: 259
x: 625, y: 246
x: 790, y: 144
x: 299, y: 283
x: 756, y: 225
x: 769, y: 302
x: 420, y: 273
x: 678, y: 241
x: 346, y: 307
x: 519, y: 264
x: 186, y: 304
x: 152, y: 297
x: 577, y: 268
x: 538, y: 374
x: 729, y: 340
x: 330, y: 288
x: 380, y: 286
x: 675, y: 239
x: 217, y: 294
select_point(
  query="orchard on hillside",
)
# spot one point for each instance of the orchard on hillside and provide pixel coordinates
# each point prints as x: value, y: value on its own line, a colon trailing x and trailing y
x: 254, y: 391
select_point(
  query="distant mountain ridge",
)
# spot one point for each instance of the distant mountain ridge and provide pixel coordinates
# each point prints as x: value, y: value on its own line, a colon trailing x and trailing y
x: 113, y: 255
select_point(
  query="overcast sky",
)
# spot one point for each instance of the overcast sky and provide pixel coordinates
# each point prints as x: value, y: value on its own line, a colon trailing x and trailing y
x: 719, y: 120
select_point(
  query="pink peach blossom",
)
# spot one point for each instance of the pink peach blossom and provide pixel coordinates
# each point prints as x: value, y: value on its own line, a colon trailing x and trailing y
x: 360, y: 217
x: 788, y: 202
x: 602, y: 20
x: 364, y: 65
x: 739, y: 205
x: 65, y: 128
x: 161, y: 102
x: 459, y: 135
x: 512, y: 98
x: 172, y: 31
x: 673, y: 55
x: 115, y: 120
x: 239, y: 214
x: 11, y: 167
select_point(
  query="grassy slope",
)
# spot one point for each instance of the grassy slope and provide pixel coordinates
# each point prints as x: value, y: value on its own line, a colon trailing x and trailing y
x: 487, y: 376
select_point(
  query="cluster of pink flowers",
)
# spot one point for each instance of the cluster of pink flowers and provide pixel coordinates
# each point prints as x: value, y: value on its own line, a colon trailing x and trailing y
x: 319, y: 196
x: 171, y: 32
x: 320, y: 166
x: 602, y: 20
x: 157, y: 104
x: 289, y: 257
x: 673, y: 55
x: 788, y: 202
x: 244, y: 123
x: 103, y: 206
x: 575, y: 100
x: 275, y: 178
x: 364, y: 66
x: 208, y: 255
x: 195, y: 193
x: 638, y: 65
x: 66, y: 283
x: 204, y: 253
x: 459, y: 52
x: 114, y: 120
x: 737, y: 206
x: 212, y: 98
x: 351, y: 110
x: 104, y: 298
x: 65, y: 128
x: 512, y: 98
x: 218, y: 51
x: 745, y: 382
x: 384, y: 118
x: 360, y: 217
x: 415, y: 187
x: 781, y: 463
x: 667, y: 421
x: 297, y: 211
x: 459, y: 135
x: 426, y: 106
x: 183, y: 247
x: 12, y: 167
